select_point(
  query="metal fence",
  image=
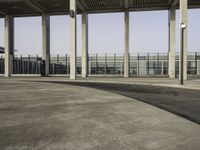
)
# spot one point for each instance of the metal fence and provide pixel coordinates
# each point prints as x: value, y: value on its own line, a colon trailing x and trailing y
x: 193, y: 65
x: 26, y: 65
x: 105, y: 64
x: 1, y: 64
x: 149, y: 64
x: 59, y: 65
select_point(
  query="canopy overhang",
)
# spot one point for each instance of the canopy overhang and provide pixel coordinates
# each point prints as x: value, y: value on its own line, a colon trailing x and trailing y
x: 58, y: 7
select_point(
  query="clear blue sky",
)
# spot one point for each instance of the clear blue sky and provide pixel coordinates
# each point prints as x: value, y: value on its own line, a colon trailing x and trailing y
x: 148, y: 33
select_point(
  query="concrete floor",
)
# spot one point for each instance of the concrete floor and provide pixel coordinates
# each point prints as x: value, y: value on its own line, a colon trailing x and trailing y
x: 52, y: 116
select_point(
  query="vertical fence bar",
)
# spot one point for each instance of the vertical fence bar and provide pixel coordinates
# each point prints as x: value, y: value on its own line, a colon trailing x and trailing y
x: 57, y: 64
x: 129, y: 63
x: 28, y: 65
x: 49, y: 61
x: 36, y: 64
x: 2, y: 68
x: 148, y: 64
x: 196, y: 61
x: 32, y: 66
x: 168, y: 64
x: 21, y: 65
x: 13, y: 63
x: 1, y: 65
x: 138, y: 64
x: 16, y: 70
x: 61, y: 68
x: 89, y: 64
x: 198, y: 67
x: 122, y: 67
x: 97, y: 68
x: 158, y: 65
x: 1, y: 61
x: 105, y: 69
x: 66, y: 63
x: 114, y: 69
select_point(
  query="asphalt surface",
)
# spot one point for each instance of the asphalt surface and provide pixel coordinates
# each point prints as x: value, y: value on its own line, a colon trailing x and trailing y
x: 51, y: 116
x: 182, y: 102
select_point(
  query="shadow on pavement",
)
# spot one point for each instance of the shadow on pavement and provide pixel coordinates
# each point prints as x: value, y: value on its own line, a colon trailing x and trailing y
x: 182, y: 102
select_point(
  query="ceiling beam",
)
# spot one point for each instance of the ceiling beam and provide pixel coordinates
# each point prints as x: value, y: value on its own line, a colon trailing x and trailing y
x: 121, y: 3
x: 173, y: 3
x: 10, y: 1
x: 80, y: 5
x: 3, y: 13
x: 84, y: 4
x: 34, y: 6
x: 126, y: 4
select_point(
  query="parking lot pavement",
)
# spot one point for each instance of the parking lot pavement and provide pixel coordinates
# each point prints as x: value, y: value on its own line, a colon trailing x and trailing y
x: 54, y: 116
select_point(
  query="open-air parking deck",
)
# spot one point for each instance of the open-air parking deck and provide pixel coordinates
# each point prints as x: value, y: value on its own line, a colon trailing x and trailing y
x: 20, y: 8
x: 98, y: 113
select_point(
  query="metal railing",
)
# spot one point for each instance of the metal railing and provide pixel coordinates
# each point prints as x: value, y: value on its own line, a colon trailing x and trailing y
x: 26, y: 65
x: 2, y: 70
x: 59, y: 65
x: 105, y: 64
x: 149, y: 64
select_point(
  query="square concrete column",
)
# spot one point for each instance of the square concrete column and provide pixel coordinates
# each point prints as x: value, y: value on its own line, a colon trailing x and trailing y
x: 183, y: 38
x: 73, y: 38
x: 9, y: 45
x: 46, y: 41
x: 84, y: 44
x: 172, y: 42
x: 126, y: 45
x: 198, y: 67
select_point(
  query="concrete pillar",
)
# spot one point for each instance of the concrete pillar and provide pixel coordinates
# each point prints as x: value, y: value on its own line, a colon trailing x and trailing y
x: 198, y: 67
x: 162, y: 68
x: 126, y: 45
x: 73, y: 38
x: 46, y: 41
x: 84, y: 44
x: 172, y: 43
x: 9, y: 45
x: 183, y: 37
x: 89, y: 69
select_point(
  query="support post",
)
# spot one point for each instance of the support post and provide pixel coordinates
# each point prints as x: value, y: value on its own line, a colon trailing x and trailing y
x: 9, y: 45
x: 183, y: 40
x: 148, y: 64
x: 126, y: 45
x: 105, y: 69
x: 198, y: 64
x: 172, y: 43
x: 84, y: 44
x: 46, y: 41
x: 138, y: 64
x: 73, y: 38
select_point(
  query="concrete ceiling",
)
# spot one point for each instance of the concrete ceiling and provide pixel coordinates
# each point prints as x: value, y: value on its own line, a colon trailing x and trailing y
x: 54, y: 7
